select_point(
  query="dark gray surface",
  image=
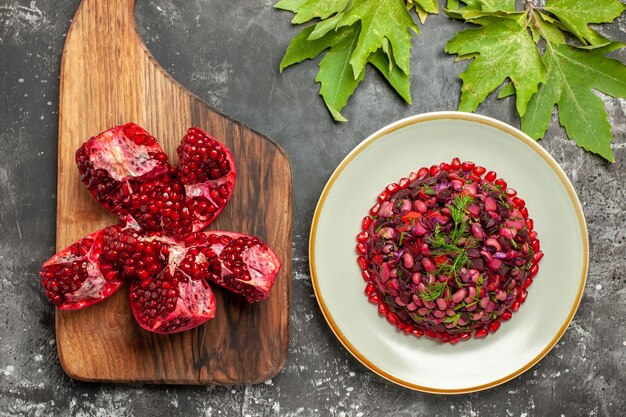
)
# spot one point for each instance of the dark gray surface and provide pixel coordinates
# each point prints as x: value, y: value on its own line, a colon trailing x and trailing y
x: 227, y: 52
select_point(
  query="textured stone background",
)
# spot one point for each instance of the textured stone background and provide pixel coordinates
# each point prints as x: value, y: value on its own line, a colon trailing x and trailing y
x: 227, y: 52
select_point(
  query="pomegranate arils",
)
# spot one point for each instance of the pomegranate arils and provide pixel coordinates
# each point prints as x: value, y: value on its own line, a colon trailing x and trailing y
x: 172, y: 302
x: 78, y: 276
x: 448, y: 253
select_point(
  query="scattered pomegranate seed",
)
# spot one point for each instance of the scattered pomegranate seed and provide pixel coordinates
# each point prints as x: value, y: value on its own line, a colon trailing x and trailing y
x: 491, y: 176
x: 479, y: 171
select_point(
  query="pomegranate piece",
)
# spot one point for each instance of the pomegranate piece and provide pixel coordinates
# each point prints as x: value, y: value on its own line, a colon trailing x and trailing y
x: 237, y: 262
x: 80, y: 276
x: 127, y: 172
x: 171, y: 302
x: 207, y: 170
x: 109, y: 162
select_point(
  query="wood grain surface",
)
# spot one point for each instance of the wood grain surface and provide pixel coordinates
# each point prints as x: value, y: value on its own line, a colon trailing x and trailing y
x: 109, y: 78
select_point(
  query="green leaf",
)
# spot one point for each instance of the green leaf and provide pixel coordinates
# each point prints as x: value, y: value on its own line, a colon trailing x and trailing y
x: 290, y: 5
x: 505, y: 49
x: 576, y: 15
x: 335, y: 75
x: 573, y: 73
x: 398, y: 79
x: 429, y: 6
x: 325, y: 26
x: 497, y: 5
x: 301, y: 48
x: 507, y: 90
x: 542, y: 25
x: 311, y: 9
x: 381, y: 19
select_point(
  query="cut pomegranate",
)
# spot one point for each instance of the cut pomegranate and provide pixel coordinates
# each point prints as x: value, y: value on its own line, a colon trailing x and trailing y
x: 159, y: 248
x: 127, y: 172
x: 450, y: 252
x: 240, y: 263
x: 78, y: 276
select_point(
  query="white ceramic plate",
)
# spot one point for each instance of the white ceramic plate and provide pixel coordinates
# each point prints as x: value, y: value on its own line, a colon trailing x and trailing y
x: 392, y: 153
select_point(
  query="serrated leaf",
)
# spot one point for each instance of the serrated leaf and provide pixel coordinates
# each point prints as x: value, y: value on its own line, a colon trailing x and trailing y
x: 429, y: 6
x: 335, y: 75
x: 505, y: 49
x: 381, y: 19
x: 325, y: 26
x: 421, y: 13
x: 498, y: 5
x: 311, y: 9
x: 577, y: 15
x: 546, y: 28
x: 397, y: 78
x: 290, y: 5
x: 573, y: 74
x: 301, y: 48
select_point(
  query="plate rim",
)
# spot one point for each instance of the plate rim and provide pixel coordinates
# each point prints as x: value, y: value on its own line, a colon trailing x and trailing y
x: 448, y: 115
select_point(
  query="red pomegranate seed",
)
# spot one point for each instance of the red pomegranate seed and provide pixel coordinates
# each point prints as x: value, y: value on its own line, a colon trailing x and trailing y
x: 404, y: 182
x: 510, y: 192
x: 361, y: 249
x: 456, y: 164
x: 467, y: 166
x: 383, y: 196
x: 478, y: 170
x: 506, y: 315
x: 374, y: 299
x: 465, y: 336
x: 430, y: 334
x: 521, y: 297
x: 382, y: 309
x: 527, y: 283
x: 530, y: 224
x: 393, y: 188
x: 401, y: 325
x: 366, y: 276
x: 491, y: 176
x: 409, y: 329
x: 533, y: 234
x: 434, y: 170
x: 362, y: 262
x: 443, y: 337
x: 417, y: 332
x: 421, y: 172
x: 533, y: 270
x: 524, y: 212
x: 374, y: 209
x: 515, y: 306
x: 445, y: 167
x: 537, y: 256
x: 363, y: 237
x: 535, y: 245
x: 518, y: 202
x: 494, y: 326
x: 481, y: 333
x: 365, y: 224
x: 501, y: 183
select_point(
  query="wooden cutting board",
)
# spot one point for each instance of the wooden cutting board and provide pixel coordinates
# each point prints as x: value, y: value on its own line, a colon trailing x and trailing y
x: 109, y: 78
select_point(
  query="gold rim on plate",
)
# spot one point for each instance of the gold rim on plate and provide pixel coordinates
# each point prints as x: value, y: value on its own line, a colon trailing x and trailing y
x: 449, y: 116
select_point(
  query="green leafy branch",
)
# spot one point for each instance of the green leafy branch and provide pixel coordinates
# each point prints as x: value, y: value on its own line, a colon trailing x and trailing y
x: 355, y: 33
x: 547, y: 56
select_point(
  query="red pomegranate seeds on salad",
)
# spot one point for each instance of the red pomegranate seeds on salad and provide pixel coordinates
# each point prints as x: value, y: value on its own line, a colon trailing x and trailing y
x: 448, y: 252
